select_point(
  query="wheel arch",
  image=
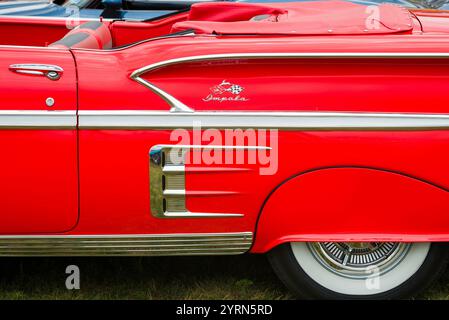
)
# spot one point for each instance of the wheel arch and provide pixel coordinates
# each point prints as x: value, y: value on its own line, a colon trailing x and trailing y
x: 402, y: 197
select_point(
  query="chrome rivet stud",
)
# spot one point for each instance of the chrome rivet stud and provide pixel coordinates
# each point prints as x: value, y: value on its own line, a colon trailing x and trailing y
x: 50, y: 102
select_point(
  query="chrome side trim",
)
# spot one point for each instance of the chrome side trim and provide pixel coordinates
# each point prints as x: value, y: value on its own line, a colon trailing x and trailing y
x: 167, y: 181
x: 127, y: 245
x: 178, y: 106
x: 30, y: 119
x: 135, y: 120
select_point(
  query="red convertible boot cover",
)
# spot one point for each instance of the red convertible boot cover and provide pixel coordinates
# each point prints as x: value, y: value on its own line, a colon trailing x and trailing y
x: 306, y: 18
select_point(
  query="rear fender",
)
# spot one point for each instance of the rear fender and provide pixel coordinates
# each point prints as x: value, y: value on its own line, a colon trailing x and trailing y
x: 353, y: 204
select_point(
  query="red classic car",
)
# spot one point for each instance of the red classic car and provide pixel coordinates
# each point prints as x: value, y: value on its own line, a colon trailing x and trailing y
x: 315, y: 132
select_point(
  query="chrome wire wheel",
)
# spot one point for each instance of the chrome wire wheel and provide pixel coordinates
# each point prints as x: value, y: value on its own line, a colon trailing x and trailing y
x: 359, y: 259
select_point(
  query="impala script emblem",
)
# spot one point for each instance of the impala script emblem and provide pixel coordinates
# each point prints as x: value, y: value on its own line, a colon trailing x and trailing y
x: 226, y: 91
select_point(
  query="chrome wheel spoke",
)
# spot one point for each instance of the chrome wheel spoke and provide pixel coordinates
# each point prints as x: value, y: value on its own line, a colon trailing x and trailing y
x: 347, y: 256
x: 354, y: 258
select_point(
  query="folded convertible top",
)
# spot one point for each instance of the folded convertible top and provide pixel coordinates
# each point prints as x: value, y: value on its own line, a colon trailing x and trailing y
x: 305, y: 18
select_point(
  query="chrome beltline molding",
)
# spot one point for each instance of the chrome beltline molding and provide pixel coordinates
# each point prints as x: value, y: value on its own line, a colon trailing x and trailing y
x: 268, y: 120
x: 37, y: 119
x: 126, y: 245
x: 178, y: 106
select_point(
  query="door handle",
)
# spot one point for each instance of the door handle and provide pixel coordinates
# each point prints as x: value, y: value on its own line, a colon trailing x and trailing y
x: 52, y: 72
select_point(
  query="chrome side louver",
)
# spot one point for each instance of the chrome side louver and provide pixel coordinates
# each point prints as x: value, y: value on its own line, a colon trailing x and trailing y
x: 167, y: 184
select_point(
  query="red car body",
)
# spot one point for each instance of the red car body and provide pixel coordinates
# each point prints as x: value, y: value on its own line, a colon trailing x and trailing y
x: 362, y: 141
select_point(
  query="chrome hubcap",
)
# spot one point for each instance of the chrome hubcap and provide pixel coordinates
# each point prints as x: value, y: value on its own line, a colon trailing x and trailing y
x: 359, y: 259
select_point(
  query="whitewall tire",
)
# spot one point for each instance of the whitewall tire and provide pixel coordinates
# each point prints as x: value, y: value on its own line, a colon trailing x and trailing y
x: 374, y: 270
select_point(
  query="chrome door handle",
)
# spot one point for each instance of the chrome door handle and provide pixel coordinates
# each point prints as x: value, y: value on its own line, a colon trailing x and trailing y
x: 52, y: 72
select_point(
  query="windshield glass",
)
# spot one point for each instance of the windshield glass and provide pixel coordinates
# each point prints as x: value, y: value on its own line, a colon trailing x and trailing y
x: 78, y: 3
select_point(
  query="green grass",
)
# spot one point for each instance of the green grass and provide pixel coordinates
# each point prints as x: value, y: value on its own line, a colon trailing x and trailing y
x: 231, y: 277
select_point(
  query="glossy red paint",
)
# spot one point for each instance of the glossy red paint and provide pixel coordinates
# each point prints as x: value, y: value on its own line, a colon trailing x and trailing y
x: 114, y: 161
x: 39, y: 181
x: 330, y: 185
x: 355, y: 78
x: 360, y: 201
x: 39, y: 167
x: 316, y: 83
x: 28, y: 92
x: 34, y: 31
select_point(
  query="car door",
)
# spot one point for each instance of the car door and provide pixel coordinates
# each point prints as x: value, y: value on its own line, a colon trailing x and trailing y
x: 38, y: 140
